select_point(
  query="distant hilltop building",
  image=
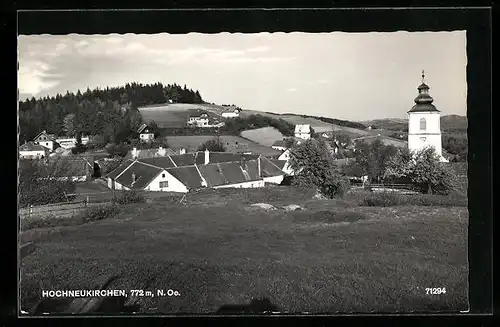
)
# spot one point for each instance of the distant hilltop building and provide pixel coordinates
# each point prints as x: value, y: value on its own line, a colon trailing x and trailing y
x: 231, y: 113
x: 303, y: 131
x: 424, y: 128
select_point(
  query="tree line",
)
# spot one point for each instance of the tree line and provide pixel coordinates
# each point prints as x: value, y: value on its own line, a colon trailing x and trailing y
x: 315, y: 166
x: 340, y: 122
x: 112, y: 113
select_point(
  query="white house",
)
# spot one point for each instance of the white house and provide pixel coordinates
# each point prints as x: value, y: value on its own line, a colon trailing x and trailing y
x: 198, y: 121
x: 182, y: 173
x: 424, y: 128
x: 145, y: 133
x: 303, y: 131
x: 31, y: 150
x: 46, y: 140
x: 70, y: 142
x: 285, y: 155
x: 231, y: 114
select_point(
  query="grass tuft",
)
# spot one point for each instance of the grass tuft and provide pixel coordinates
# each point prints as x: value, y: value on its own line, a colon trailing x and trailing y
x: 388, y: 199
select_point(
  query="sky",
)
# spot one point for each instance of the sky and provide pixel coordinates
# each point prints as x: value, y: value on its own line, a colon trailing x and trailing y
x: 353, y: 76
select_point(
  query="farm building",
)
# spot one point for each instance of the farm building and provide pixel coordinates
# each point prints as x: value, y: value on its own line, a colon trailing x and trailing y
x: 145, y: 133
x: 185, y: 172
x: 282, y: 145
x: 31, y: 150
x: 46, y: 140
x: 231, y: 113
x: 150, y: 153
x: 303, y: 131
x: 70, y: 142
x: 77, y: 169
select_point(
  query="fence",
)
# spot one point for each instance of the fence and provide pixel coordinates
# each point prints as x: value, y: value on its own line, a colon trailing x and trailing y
x: 58, y: 209
x: 390, y: 188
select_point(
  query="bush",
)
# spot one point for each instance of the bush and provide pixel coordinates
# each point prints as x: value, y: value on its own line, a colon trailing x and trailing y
x: 120, y: 150
x: 388, y: 199
x: 214, y: 145
x: 131, y: 196
x: 99, y: 213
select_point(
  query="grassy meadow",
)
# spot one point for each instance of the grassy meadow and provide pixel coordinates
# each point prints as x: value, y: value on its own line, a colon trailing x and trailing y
x: 265, y: 136
x: 332, y: 256
x: 168, y: 115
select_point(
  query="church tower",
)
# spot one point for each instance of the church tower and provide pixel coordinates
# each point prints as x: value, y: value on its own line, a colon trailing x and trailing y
x: 424, y: 128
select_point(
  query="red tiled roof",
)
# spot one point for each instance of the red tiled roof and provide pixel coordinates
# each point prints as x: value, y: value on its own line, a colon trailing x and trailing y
x: 212, y: 175
x: 162, y: 162
x: 121, y: 168
x: 229, y: 173
x: 187, y: 175
x: 30, y: 146
x: 66, y: 167
x: 278, y: 163
x: 187, y: 159
x: 144, y: 174
x: 150, y: 153
x: 269, y: 169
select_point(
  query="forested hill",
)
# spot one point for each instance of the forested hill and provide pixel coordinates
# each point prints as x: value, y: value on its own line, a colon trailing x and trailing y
x: 110, y: 112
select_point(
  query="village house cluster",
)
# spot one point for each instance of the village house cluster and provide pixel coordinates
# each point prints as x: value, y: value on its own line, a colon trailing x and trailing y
x: 164, y: 169
x: 190, y: 171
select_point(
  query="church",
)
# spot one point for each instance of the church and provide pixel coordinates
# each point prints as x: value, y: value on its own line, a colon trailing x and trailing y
x: 424, y: 127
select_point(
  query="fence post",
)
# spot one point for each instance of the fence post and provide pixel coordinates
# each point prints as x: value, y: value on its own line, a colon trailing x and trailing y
x: 87, y: 201
x: 31, y: 210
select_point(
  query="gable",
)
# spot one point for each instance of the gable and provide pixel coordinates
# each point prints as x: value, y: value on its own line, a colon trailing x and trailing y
x: 188, y: 176
x: 144, y: 174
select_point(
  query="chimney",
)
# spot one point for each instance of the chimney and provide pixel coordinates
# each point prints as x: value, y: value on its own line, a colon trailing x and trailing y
x: 161, y: 151
x: 133, y: 177
x: 207, y: 156
x: 182, y: 151
x: 258, y: 166
x: 242, y: 161
x: 134, y: 153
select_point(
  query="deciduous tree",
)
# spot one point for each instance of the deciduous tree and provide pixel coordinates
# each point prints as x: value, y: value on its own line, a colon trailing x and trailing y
x: 424, y: 170
x: 314, y: 167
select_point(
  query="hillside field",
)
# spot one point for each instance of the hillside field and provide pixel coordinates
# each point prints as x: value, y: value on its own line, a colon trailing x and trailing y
x: 176, y: 115
x: 232, y: 143
x: 265, y: 136
x: 216, y: 250
x: 168, y: 115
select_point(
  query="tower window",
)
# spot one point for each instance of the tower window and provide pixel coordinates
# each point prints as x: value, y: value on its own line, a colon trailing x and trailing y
x: 423, y: 124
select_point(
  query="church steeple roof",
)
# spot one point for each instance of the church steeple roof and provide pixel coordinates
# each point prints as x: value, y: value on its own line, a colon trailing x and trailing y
x: 423, y: 101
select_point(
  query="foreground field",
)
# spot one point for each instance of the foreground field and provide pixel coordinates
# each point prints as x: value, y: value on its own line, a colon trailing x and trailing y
x: 333, y: 257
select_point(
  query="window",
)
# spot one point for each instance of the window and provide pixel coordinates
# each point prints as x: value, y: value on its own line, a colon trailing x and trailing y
x: 422, y: 124
x: 163, y: 175
x: 163, y: 184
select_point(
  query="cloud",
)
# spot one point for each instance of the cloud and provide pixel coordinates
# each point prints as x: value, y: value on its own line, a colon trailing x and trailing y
x: 258, y: 49
x: 292, y: 89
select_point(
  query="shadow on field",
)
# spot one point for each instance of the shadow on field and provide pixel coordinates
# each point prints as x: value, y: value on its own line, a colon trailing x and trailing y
x: 326, y: 216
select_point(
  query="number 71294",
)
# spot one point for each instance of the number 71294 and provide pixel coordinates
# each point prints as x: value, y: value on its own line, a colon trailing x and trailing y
x: 435, y: 290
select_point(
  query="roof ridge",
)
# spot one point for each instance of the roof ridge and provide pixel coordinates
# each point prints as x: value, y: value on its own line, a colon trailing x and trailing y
x: 172, y: 160
x: 144, y: 163
x: 203, y: 180
x: 116, y: 177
